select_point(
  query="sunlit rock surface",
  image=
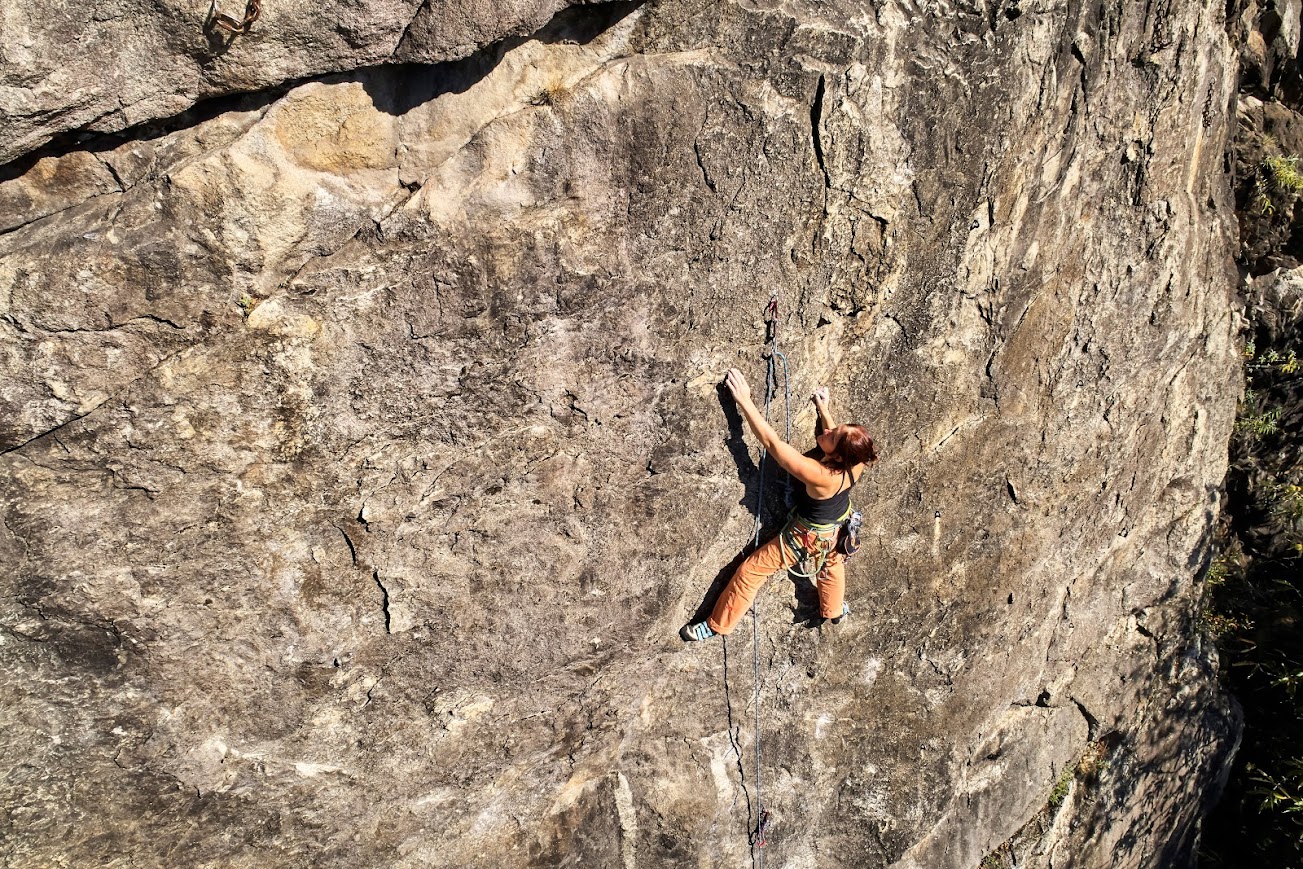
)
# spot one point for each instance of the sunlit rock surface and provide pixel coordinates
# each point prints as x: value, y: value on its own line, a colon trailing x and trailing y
x: 364, y: 450
x: 77, y: 68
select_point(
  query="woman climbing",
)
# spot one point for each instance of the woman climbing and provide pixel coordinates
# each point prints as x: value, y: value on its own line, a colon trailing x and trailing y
x: 823, y: 502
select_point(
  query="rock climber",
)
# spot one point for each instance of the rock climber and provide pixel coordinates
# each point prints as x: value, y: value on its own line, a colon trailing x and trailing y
x: 823, y: 502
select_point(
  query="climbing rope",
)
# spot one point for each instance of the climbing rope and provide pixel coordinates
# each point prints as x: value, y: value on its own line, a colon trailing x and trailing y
x: 774, y: 358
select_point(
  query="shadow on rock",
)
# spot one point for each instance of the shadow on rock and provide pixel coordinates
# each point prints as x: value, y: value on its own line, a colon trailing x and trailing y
x: 396, y: 90
x: 773, y: 510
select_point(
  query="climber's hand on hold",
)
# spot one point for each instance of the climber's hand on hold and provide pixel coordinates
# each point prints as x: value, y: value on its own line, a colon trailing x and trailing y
x: 737, y: 385
x: 820, y: 399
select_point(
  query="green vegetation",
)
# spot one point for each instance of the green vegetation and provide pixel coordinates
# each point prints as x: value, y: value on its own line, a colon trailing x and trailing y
x: 1283, y: 794
x: 1061, y: 787
x: 1253, y: 420
x: 1086, y: 773
x: 1285, y: 501
x: 1257, y: 419
x: 1271, y: 360
x: 1253, y: 609
x: 1284, y: 174
x: 1280, y: 176
x: 1218, y: 625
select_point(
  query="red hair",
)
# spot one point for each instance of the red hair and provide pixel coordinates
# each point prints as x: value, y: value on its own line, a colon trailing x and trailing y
x: 852, y: 447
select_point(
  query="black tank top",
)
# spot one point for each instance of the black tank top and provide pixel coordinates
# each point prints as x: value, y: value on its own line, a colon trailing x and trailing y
x: 824, y: 511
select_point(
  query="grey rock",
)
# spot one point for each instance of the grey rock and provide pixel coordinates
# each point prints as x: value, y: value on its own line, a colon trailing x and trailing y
x: 363, y: 447
x: 1276, y: 303
x: 68, y: 68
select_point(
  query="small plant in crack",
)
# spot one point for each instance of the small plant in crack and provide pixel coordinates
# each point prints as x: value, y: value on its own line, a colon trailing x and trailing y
x: 1273, y: 360
x: 1215, y: 620
x: 1280, y: 793
x: 248, y: 302
x: 1279, y: 183
x: 548, y: 96
x: 1094, y: 760
x: 1061, y: 788
x: 1285, y: 501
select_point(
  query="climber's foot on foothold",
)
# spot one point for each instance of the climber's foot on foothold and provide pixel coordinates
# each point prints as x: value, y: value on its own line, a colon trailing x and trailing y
x: 694, y: 632
x: 846, y: 610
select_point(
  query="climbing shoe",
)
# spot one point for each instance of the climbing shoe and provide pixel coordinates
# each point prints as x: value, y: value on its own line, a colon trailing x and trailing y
x: 698, y: 631
x: 846, y: 610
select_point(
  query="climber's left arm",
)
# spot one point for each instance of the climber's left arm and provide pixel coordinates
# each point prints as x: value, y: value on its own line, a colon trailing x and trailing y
x: 823, y: 421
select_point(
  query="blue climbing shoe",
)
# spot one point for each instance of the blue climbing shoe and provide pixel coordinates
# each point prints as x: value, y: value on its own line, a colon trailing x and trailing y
x: 698, y: 631
x: 846, y: 610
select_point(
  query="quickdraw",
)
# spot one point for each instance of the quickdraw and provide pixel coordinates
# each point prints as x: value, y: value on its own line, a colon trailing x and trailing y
x: 252, y: 12
x: 758, y: 835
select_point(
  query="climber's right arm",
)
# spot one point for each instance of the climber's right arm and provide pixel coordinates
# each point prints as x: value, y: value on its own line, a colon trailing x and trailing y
x: 804, y: 468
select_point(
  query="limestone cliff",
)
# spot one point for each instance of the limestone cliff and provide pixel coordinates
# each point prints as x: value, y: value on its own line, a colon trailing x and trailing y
x: 363, y: 450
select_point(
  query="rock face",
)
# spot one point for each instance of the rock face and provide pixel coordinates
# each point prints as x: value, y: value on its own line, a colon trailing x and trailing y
x: 72, y: 68
x: 364, y: 450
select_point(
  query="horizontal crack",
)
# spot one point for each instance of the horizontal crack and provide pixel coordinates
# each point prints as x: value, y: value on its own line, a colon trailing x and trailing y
x: 58, y: 211
x: 150, y: 318
x: 201, y: 111
x: 574, y: 24
x: 115, y: 396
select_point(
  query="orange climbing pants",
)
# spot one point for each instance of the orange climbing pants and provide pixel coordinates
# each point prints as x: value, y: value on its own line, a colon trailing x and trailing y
x: 774, y: 556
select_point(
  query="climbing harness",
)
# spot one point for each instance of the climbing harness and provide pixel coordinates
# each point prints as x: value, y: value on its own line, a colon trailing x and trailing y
x: 252, y: 12
x: 812, y: 542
